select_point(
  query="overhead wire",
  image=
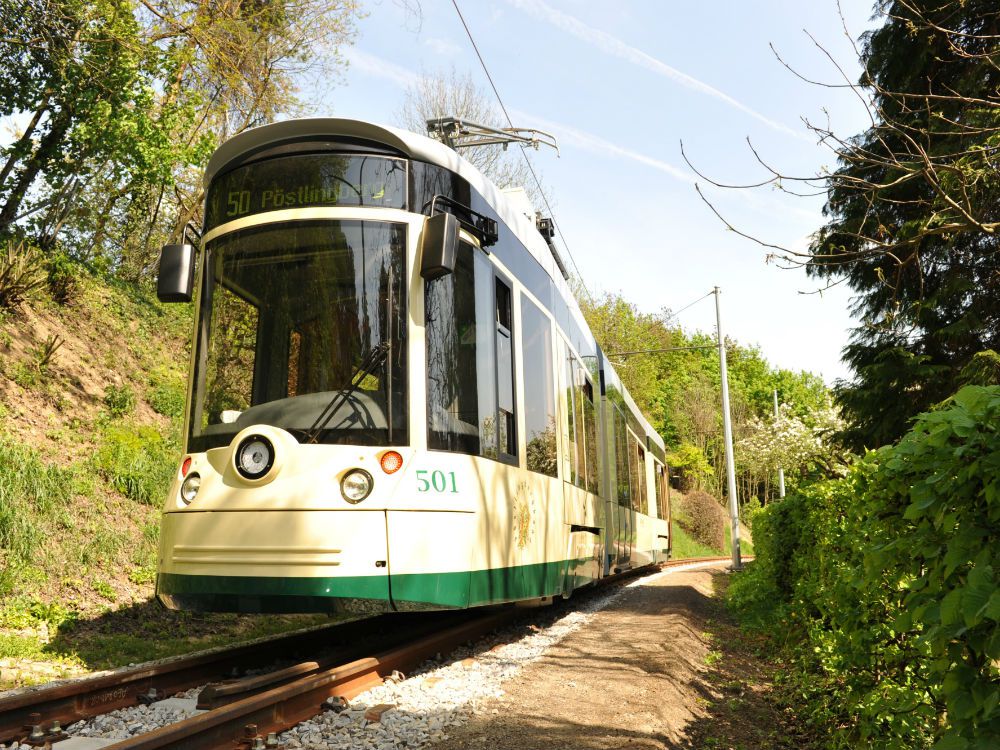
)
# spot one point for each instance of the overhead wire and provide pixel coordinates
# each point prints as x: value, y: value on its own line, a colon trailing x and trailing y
x: 527, y: 161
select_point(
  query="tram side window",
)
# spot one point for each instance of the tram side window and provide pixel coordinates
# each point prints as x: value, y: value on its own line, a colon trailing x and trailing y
x: 505, y: 371
x: 461, y: 358
x: 621, y: 459
x: 539, y: 390
x: 640, y: 495
x: 590, y: 434
x: 660, y: 488
x: 573, y: 463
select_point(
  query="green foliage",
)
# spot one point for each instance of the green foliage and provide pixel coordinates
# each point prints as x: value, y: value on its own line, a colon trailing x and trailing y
x: 683, y: 546
x: 167, y: 393
x: 703, y: 517
x: 120, y: 400
x: 887, y: 580
x: 982, y: 369
x: 680, y: 390
x: 691, y: 461
x: 62, y: 277
x: 137, y: 461
x: 912, y: 229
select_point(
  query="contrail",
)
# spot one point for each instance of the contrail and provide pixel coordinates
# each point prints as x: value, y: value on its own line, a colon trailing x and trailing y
x: 614, y: 46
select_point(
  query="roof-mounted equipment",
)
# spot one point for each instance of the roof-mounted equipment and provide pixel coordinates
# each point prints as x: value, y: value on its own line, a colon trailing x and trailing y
x: 458, y: 133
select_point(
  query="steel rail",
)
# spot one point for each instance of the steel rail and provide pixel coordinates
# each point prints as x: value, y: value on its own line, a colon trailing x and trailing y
x: 84, y: 698
x: 245, y: 722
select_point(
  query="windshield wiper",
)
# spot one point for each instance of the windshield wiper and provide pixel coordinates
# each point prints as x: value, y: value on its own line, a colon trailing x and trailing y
x: 372, y: 361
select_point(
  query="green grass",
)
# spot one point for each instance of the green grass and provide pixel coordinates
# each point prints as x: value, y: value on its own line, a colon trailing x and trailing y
x: 137, y: 460
x: 145, y: 632
x: 684, y: 546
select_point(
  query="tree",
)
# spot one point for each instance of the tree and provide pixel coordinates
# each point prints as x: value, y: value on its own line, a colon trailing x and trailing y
x: 912, y: 211
x: 452, y: 95
x: 126, y: 101
x: 680, y: 390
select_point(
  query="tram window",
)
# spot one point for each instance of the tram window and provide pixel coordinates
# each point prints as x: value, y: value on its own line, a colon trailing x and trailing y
x: 621, y: 459
x: 573, y: 441
x: 539, y: 389
x: 461, y: 359
x: 659, y: 487
x: 640, y: 476
x: 590, y: 435
x: 507, y: 436
x: 288, y: 314
x: 632, y: 471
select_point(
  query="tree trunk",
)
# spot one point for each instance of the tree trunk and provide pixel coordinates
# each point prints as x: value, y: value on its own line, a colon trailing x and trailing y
x: 41, y: 157
x: 21, y: 142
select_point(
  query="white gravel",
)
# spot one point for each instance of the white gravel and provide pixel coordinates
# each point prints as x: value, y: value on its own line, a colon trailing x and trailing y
x: 439, y: 695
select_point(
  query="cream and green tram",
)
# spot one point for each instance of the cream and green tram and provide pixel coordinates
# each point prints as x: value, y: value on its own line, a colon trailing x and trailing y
x: 394, y: 401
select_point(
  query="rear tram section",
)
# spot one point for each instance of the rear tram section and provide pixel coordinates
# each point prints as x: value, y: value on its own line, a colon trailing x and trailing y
x: 394, y: 402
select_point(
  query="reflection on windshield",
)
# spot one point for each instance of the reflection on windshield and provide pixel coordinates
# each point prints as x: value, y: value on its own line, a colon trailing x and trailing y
x: 289, y: 311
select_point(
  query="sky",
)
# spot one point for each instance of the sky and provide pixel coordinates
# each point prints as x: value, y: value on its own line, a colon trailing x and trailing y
x: 621, y: 91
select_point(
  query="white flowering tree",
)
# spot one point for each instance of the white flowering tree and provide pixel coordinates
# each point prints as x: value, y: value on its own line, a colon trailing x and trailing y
x: 800, y: 445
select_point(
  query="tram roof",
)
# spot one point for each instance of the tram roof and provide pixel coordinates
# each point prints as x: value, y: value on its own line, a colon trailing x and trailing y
x: 413, y: 145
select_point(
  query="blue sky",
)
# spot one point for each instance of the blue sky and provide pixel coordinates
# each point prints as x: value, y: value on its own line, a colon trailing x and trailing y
x: 621, y: 90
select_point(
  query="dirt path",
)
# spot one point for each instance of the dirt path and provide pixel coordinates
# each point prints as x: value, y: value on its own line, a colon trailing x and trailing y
x: 661, y: 667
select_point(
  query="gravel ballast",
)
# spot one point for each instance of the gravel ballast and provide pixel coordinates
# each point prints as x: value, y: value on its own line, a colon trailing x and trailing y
x: 420, y: 710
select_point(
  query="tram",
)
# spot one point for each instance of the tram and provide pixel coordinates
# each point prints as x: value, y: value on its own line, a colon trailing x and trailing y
x: 394, y: 400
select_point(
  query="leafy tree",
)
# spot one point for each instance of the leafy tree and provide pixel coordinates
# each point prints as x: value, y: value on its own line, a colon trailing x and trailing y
x: 125, y: 100
x: 680, y: 390
x: 912, y: 211
x: 913, y: 208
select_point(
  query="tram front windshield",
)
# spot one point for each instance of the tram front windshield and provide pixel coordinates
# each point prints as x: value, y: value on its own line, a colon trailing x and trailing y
x: 290, y: 315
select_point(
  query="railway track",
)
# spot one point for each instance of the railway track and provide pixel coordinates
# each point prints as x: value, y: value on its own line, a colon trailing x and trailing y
x: 248, y: 712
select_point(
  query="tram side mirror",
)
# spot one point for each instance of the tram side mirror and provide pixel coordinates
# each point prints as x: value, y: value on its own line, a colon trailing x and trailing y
x: 176, y: 280
x: 439, y: 246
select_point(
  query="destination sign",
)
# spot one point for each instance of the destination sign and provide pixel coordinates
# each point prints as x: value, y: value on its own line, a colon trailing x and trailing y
x: 306, y: 180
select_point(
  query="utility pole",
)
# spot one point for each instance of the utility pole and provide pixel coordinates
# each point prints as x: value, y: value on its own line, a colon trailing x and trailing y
x: 781, y: 472
x: 727, y: 428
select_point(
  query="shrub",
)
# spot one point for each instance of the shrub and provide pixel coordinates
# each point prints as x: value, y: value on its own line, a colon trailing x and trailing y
x: 120, y: 400
x: 137, y: 461
x: 703, y: 517
x: 62, y: 278
x: 167, y: 398
x: 22, y: 273
x: 887, y: 579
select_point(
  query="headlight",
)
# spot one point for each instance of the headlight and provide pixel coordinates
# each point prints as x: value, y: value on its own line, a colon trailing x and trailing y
x: 254, y: 457
x: 190, y: 487
x: 356, y: 485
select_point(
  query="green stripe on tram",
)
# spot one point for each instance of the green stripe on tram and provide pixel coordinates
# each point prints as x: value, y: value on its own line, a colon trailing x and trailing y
x: 452, y: 589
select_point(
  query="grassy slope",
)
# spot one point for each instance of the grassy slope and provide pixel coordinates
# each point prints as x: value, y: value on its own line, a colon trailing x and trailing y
x: 88, y: 442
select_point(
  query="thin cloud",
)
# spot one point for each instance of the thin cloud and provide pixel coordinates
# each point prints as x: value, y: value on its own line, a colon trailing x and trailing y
x: 442, y: 47
x: 379, y: 68
x: 595, y: 144
x: 614, y: 46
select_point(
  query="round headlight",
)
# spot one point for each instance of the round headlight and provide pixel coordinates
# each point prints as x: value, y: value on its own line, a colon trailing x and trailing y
x: 356, y: 485
x: 254, y: 457
x: 190, y: 487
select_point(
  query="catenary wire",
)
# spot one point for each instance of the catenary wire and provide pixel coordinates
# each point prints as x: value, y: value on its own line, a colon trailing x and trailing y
x: 527, y: 161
